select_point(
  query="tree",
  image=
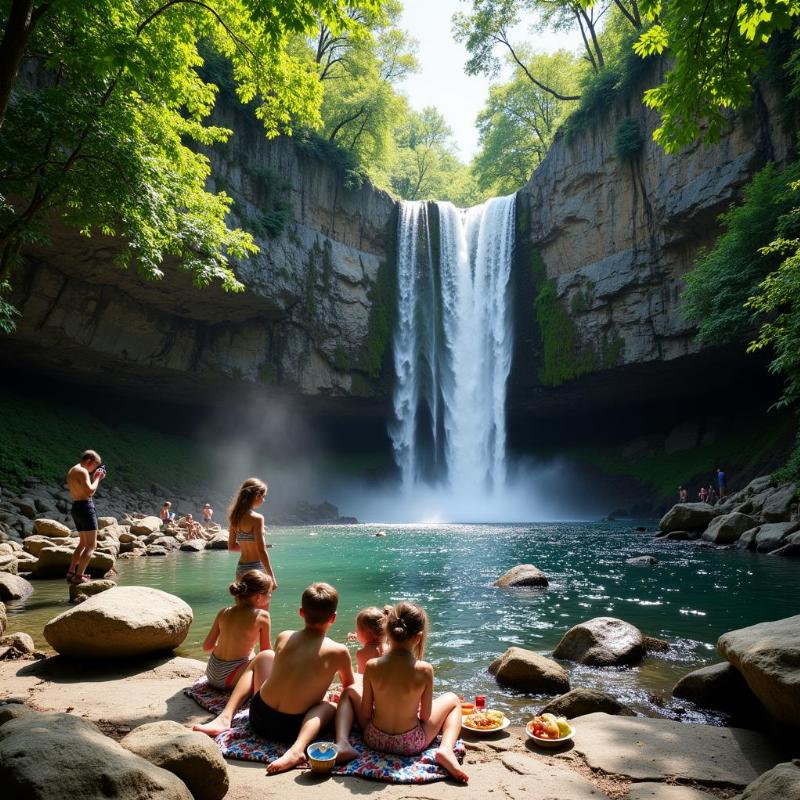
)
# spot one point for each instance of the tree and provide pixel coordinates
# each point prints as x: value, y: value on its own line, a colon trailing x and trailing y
x: 519, y: 122
x: 103, y: 132
x: 422, y: 139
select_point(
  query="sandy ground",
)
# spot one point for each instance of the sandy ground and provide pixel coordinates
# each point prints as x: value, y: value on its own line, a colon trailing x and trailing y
x: 502, y: 765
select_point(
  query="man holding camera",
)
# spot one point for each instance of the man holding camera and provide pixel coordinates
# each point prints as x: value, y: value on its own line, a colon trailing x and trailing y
x: 82, y: 482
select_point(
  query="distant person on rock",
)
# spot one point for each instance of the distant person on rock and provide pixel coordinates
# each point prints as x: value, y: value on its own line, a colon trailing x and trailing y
x: 208, y: 512
x: 246, y: 529
x: 82, y: 482
x: 702, y: 494
x: 683, y: 495
x: 711, y: 494
x: 165, y: 513
x: 721, y: 483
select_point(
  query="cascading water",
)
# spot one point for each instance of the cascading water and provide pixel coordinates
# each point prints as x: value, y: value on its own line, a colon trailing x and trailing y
x: 452, y: 344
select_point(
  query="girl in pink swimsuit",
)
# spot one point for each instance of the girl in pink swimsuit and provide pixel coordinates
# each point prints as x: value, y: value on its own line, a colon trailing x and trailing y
x: 396, y: 709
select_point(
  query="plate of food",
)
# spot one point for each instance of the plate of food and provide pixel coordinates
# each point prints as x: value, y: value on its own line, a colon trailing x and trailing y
x: 549, y: 730
x: 486, y: 721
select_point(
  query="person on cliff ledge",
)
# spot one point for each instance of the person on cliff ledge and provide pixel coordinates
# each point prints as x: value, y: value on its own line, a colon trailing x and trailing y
x: 721, y: 483
x: 683, y: 495
x: 82, y: 482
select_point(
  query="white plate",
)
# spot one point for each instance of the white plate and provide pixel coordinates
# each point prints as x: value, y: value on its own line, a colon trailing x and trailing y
x: 503, y: 726
x: 550, y: 742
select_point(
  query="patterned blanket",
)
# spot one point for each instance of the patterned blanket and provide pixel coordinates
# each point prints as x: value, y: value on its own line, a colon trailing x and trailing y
x: 241, y: 743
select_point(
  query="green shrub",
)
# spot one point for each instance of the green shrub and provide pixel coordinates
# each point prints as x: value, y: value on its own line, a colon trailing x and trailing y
x: 628, y: 140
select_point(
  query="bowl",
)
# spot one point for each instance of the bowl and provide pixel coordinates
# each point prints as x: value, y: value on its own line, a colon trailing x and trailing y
x: 321, y: 757
x: 550, y: 742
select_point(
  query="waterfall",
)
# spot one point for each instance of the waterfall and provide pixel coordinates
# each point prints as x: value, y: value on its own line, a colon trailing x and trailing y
x: 452, y: 344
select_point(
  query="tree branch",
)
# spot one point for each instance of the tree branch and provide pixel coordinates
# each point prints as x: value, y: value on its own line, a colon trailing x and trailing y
x: 502, y: 38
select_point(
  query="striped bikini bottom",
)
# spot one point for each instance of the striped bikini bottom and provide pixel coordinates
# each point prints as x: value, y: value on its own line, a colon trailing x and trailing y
x: 221, y: 674
x: 246, y: 566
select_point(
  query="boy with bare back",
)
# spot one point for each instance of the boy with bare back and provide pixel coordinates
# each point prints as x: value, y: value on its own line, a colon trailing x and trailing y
x: 288, y: 684
x: 82, y: 482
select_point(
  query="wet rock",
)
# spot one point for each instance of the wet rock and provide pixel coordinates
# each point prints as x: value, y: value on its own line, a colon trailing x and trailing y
x: 771, y: 536
x: 121, y: 622
x: 728, y: 528
x: 50, y: 527
x: 602, y: 642
x: 12, y: 587
x: 527, y: 671
x: 193, y: 757
x: 522, y: 575
x: 687, y: 517
x: 219, y: 542
x: 768, y: 656
x: 782, y: 782
x: 679, y: 536
x: 642, y: 561
x: 652, y: 644
x: 778, y: 505
x: 747, y: 541
x: 64, y: 757
x: 155, y: 550
x: 717, y: 686
x: 580, y: 701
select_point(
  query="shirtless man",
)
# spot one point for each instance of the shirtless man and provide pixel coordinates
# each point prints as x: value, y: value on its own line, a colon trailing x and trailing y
x: 288, y: 684
x: 82, y: 482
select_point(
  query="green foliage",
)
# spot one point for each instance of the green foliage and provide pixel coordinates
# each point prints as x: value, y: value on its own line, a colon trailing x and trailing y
x: 383, y: 301
x: 714, y: 50
x: 106, y: 137
x: 727, y: 275
x: 628, y: 139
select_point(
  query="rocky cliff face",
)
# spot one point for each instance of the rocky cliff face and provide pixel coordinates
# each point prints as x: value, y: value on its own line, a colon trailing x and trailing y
x: 604, y: 242
x: 312, y: 319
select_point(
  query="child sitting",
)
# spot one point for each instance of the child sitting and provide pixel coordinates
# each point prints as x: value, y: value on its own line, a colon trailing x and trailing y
x: 370, y: 634
x: 396, y: 709
x: 236, y: 629
x: 288, y: 686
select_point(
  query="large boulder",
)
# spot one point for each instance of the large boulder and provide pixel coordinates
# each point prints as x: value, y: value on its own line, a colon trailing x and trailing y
x: 715, y: 686
x: 35, y: 544
x: 770, y: 536
x: 768, y: 656
x: 778, y: 506
x: 121, y: 622
x: 580, y: 701
x: 218, y: 542
x: 782, y: 782
x: 728, y: 528
x: 194, y: 546
x: 156, y: 550
x: 521, y: 575
x: 527, y: 671
x: 64, y: 757
x: 602, y: 642
x: 145, y: 525
x: 8, y: 563
x: 54, y: 562
x: 193, y: 757
x: 688, y: 517
x: 49, y: 527
x: 167, y: 542
x: 12, y: 587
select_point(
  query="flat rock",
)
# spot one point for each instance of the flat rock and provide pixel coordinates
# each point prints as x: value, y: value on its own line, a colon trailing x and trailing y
x: 551, y: 781
x: 193, y: 546
x: 664, y: 791
x: 715, y: 686
x: 778, y: 506
x: 50, y: 527
x: 728, y: 528
x: 54, y: 562
x: 780, y: 783
x: 688, y: 517
x: 770, y: 536
x: 581, y: 701
x: 36, y: 543
x: 768, y: 656
x: 146, y: 525
x: 12, y: 587
x: 527, y: 671
x: 602, y: 642
x: 122, y: 622
x: 647, y: 749
x: 193, y: 757
x: 522, y: 575
x: 88, y: 589
x: 63, y: 757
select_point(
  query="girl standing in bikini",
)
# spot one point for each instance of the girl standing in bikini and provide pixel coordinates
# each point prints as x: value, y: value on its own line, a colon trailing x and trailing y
x: 236, y: 630
x: 246, y: 529
x: 396, y: 710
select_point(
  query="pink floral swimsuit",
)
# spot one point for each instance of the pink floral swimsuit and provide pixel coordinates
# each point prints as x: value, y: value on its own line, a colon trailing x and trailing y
x: 410, y: 743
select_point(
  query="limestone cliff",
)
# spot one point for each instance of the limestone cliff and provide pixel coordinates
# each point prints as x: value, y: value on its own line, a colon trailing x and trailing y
x: 312, y: 319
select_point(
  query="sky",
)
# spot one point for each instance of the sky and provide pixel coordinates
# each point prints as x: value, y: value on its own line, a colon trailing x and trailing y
x: 441, y: 81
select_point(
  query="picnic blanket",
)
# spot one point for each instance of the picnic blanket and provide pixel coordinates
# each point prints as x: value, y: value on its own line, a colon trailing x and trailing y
x: 241, y: 743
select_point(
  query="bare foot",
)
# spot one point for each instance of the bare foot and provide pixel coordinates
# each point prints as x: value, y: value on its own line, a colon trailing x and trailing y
x: 217, y: 726
x: 291, y: 758
x: 447, y: 760
x: 344, y: 752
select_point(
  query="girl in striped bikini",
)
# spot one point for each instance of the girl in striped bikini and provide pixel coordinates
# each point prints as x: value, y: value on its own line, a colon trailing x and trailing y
x: 246, y: 529
x: 236, y: 630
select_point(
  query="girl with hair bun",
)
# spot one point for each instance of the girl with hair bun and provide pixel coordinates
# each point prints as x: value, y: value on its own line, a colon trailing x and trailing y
x: 236, y: 630
x: 246, y: 529
x: 396, y: 709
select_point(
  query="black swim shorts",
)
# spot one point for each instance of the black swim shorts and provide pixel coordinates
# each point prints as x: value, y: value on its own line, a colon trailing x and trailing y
x: 271, y: 724
x: 84, y: 515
